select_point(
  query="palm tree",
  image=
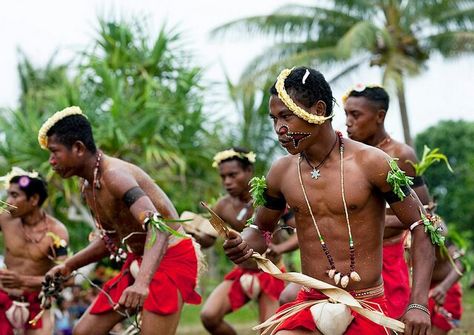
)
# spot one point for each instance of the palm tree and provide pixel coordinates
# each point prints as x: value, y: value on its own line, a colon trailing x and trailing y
x: 398, y: 36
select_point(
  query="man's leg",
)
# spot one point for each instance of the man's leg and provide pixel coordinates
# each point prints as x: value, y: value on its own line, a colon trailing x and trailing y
x: 436, y: 331
x: 97, y: 324
x: 161, y: 324
x: 47, y: 327
x: 267, y: 306
x: 215, y: 308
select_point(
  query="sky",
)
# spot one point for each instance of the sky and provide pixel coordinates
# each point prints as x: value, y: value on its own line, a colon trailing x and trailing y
x: 40, y: 28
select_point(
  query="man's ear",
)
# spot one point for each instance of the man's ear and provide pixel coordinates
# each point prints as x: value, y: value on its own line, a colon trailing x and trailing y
x: 34, y: 199
x: 319, y: 108
x: 79, y: 148
x: 381, y: 113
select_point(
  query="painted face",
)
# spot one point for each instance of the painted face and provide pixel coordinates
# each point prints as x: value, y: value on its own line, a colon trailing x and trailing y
x: 292, y: 131
x: 61, y: 158
x: 234, y: 178
x: 18, y: 198
x: 361, y: 118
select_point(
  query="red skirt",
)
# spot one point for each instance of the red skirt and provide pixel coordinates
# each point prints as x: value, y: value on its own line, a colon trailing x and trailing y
x: 395, y: 278
x: 177, y: 272
x: 34, y: 308
x: 359, y: 325
x: 269, y: 285
x: 448, y: 316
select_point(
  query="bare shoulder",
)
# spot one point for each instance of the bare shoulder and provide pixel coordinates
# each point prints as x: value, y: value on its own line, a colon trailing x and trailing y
x: 118, y: 176
x: 4, y: 218
x: 278, y: 170
x: 404, y: 154
x: 373, y: 162
x: 58, y: 228
x: 221, y: 204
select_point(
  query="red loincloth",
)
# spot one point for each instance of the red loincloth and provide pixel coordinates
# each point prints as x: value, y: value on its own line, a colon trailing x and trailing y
x: 395, y: 278
x: 269, y: 285
x: 177, y: 271
x: 359, y: 325
x: 447, y: 317
x: 6, y: 301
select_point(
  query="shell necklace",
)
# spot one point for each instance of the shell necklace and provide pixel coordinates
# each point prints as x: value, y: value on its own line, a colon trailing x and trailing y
x: 338, y: 276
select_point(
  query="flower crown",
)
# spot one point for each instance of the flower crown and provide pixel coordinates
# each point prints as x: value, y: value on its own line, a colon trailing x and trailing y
x: 292, y: 106
x: 231, y: 153
x: 15, y: 172
x: 358, y: 88
x: 49, y: 123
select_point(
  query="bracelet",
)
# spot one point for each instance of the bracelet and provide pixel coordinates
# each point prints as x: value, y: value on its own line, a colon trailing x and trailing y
x: 420, y: 307
x: 415, y: 224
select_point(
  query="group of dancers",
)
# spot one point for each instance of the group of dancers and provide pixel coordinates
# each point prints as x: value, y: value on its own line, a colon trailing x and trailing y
x: 354, y: 204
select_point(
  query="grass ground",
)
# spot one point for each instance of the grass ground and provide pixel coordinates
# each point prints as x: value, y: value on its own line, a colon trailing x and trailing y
x: 244, y: 319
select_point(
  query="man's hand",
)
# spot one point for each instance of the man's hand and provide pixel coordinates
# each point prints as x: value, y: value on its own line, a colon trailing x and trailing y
x: 236, y: 249
x: 274, y: 250
x: 416, y: 322
x: 439, y: 294
x: 10, y: 279
x: 61, y: 269
x: 134, y: 296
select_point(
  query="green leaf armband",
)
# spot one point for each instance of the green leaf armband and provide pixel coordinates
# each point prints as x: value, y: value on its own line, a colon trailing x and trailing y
x: 398, y: 180
x: 432, y: 227
x: 156, y: 222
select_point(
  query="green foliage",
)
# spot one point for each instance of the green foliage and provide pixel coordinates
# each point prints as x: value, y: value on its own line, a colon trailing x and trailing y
x: 452, y: 192
x: 254, y: 129
x: 397, y: 179
x: 429, y: 158
x: 144, y: 98
x: 258, y: 185
x: 435, y: 232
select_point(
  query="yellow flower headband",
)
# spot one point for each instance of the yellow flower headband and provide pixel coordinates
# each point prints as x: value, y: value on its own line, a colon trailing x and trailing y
x: 226, y: 154
x: 15, y: 172
x: 292, y: 106
x: 358, y: 88
x: 42, y: 134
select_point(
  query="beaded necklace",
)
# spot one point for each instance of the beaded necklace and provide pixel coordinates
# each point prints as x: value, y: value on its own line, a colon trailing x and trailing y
x: 116, y: 253
x: 333, y: 273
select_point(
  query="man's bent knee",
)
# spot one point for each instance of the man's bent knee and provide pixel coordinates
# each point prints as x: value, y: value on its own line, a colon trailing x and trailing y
x: 210, y: 320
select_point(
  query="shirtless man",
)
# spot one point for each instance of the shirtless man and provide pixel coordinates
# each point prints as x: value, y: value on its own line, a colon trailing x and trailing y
x: 160, y: 270
x: 336, y: 187
x: 34, y: 243
x: 239, y: 286
x: 366, y: 108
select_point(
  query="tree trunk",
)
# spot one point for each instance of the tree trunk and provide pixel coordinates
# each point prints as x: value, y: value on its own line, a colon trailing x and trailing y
x: 403, y: 112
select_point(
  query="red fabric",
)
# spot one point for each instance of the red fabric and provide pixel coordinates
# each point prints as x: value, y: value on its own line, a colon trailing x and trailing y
x: 34, y: 308
x: 359, y: 325
x: 395, y: 278
x: 447, y: 317
x: 269, y: 285
x: 177, y: 271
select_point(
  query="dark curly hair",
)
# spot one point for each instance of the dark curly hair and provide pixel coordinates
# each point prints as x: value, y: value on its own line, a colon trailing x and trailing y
x: 315, y: 88
x: 74, y: 128
x: 377, y: 95
x: 34, y: 186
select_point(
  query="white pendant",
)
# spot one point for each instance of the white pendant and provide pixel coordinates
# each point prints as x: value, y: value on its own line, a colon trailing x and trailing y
x: 315, y: 174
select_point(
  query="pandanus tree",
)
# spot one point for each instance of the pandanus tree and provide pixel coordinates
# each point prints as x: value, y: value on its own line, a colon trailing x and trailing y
x: 397, y: 36
x: 144, y: 98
